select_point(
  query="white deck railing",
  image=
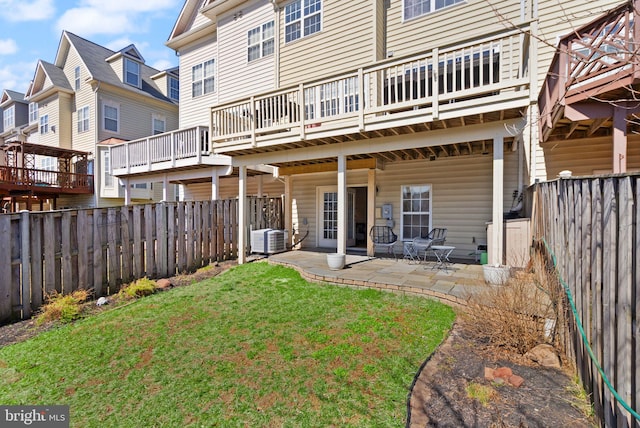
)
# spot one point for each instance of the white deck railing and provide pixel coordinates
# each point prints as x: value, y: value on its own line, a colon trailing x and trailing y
x: 163, y: 150
x: 391, y: 93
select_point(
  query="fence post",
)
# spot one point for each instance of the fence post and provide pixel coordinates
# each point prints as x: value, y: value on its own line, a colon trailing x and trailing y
x: 25, y: 261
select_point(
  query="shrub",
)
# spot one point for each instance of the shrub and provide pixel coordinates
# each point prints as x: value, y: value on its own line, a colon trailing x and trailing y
x: 514, y: 316
x: 140, y: 288
x: 482, y: 393
x: 63, y: 307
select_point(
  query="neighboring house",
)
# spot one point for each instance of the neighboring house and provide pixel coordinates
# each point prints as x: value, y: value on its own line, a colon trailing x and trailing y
x: 427, y: 108
x: 92, y: 94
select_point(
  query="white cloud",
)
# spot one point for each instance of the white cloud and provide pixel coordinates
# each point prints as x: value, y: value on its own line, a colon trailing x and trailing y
x: 16, y: 75
x: 88, y: 21
x: 162, y: 64
x: 8, y: 46
x: 24, y: 10
x: 123, y: 42
x: 130, y: 5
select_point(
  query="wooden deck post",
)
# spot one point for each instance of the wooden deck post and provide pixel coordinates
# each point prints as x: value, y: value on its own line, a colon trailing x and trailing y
x: 619, y: 140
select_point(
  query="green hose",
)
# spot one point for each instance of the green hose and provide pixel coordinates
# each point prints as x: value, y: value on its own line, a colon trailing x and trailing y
x: 584, y: 337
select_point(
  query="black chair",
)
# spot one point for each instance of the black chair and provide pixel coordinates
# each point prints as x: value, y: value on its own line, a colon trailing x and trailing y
x: 383, y: 236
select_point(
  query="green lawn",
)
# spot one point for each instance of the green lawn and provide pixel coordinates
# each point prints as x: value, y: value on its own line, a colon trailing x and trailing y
x: 255, y: 346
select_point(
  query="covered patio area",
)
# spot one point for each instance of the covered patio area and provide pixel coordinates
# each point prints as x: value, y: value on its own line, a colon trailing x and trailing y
x: 451, y: 286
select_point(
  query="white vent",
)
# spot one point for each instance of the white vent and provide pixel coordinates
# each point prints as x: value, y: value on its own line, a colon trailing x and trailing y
x: 267, y: 241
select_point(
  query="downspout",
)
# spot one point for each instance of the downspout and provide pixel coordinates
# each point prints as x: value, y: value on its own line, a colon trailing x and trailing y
x: 276, y: 65
x: 96, y: 181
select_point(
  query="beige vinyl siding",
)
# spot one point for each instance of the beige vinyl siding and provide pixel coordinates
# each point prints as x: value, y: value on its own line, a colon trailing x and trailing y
x: 50, y: 107
x: 199, y: 20
x: 118, y: 67
x: 195, y: 111
x: 381, y: 30
x: 58, y: 108
x: 462, y: 190
x: 83, y: 97
x: 345, y: 42
x: 236, y: 76
x: 229, y: 188
x: 451, y: 25
x: 595, y: 156
x: 163, y: 84
x: 63, y: 129
x: 135, y: 118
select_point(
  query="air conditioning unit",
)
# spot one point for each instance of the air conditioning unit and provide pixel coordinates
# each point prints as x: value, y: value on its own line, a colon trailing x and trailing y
x: 267, y: 241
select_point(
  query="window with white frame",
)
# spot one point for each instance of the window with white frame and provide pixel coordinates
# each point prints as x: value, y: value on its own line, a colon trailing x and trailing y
x: 414, y: 8
x: 33, y: 112
x: 132, y: 72
x: 111, y: 116
x: 301, y: 19
x: 76, y: 78
x: 158, y: 124
x: 49, y: 163
x: 260, y: 42
x: 415, y: 211
x: 44, y: 123
x: 203, y: 78
x: 9, y: 117
x: 83, y: 119
x: 107, y: 178
x: 174, y: 88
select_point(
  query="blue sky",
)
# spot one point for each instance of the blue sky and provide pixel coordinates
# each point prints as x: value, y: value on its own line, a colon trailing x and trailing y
x: 30, y: 30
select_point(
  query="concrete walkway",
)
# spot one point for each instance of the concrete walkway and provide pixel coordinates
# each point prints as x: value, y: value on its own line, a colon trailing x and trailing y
x: 452, y: 286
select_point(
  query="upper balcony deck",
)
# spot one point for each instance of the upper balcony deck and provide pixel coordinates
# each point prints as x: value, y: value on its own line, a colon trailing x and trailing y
x: 597, y: 64
x: 480, y: 80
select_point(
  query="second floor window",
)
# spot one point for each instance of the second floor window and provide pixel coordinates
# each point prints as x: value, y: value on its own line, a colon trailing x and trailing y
x: 83, y: 119
x: 132, y: 72
x: 111, y: 117
x: 107, y: 178
x: 49, y: 163
x: 9, y: 118
x: 174, y: 88
x: 33, y: 112
x: 44, y: 124
x: 415, y: 8
x: 203, y: 78
x: 159, y: 124
x: 260, y: 42
x: 76, y: 76
x: 302, y: 18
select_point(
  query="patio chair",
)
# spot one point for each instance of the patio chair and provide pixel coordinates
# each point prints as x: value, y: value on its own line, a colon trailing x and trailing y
x: 383, y: 236
x: 422, y: 244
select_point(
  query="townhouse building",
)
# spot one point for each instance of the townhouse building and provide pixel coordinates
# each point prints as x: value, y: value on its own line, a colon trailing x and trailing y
x: 410, y: 113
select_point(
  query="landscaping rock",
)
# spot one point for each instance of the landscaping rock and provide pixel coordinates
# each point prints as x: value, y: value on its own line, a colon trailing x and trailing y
x: 163, y: 284
x: 544, y: 355
x: 503, y: 372
x: 516, y: 381
x: 102, y: 301
x: 488, y: 374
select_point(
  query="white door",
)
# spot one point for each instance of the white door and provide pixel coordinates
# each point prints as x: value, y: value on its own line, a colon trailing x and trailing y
x: 328, y: 217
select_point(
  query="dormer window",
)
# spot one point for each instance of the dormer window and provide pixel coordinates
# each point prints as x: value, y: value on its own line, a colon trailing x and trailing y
x: 9, y: 118
x: 174, y: 89
x: 132, y: 72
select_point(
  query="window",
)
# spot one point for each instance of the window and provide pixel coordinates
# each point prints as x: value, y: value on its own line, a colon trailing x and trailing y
x: 416, y: 211
x: 131, y: 72
x: 111, y: 115
x: 76, y: 73
x: 202, y: 78
x: 260, y: 42
x: 49, y: 163
x: 174, y: 88
x: 83, y: 119
x: 302, y: 18
x: 107, y: 178
x: 44, y: 124
x: 158, y: 124
x: 9, y: 118
x: 415, y: 8
x: 33, y: 112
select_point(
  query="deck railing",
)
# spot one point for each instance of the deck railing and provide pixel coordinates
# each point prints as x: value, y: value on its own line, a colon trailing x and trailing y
x: 167, y: 148
x: 448, y: 78
x: 18, y: 178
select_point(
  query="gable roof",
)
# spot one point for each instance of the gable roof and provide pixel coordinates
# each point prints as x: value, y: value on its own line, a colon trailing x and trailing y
x: 58, y: 79
x: 9, y: 96
x: 183, y: 30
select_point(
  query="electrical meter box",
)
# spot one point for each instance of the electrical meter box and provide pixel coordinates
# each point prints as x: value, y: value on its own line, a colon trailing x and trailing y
x: 387, y: 211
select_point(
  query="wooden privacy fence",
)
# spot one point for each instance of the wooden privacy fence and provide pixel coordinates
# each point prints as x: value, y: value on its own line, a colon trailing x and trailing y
x: 588, y: 228
x: 103, y: 248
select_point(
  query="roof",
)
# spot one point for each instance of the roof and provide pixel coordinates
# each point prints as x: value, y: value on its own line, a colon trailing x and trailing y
x: 94, y: 57
x: 9, y: 95
x: 41, y: 149
x: 57, y: 76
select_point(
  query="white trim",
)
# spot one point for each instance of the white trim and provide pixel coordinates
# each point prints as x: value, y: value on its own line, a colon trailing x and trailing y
x: 431, y: 11
x: 160, y: 118
x: 85, y: 119
x: 401, y: 212
x: 125, y: 72
x: 44, y: 118
x: 115, y: 105
x: 9, y: 120
x: 301, y: 20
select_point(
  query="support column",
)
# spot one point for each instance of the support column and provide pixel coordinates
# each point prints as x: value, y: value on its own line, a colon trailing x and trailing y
x: 242, y: 217
x: 619, y: 140
x: 288, y: 208
x: 498, y: 201
x: 127, y: 192
x: 165, y: 188
x: 215, y: 186
x: 342, y: 204
x: 259, y: 178
x: 371, y: 208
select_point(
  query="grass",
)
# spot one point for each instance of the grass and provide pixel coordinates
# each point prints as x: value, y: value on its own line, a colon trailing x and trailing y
x: 255, y: 346
x: 481, y: 393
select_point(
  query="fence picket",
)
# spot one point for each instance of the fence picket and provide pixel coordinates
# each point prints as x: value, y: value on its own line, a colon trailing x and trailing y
x: 37, y: 289
x: 596, y: 286
x: 83, y: 249
x: 138, y: 244
x: 49, y: 255
x: 125, y: 238
x: 171, y: 239
x: 5, y: 271
x: 150, y: 247
x: 98, y: 260
x: 65, y: 246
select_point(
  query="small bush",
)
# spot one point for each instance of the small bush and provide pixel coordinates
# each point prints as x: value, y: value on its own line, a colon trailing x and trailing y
x: 140, y: 288
x: 482, y: 393
x: 63, y: 307
x: 512, y: 316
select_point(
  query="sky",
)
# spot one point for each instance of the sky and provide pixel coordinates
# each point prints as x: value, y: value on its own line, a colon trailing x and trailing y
x: 30, y: 30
